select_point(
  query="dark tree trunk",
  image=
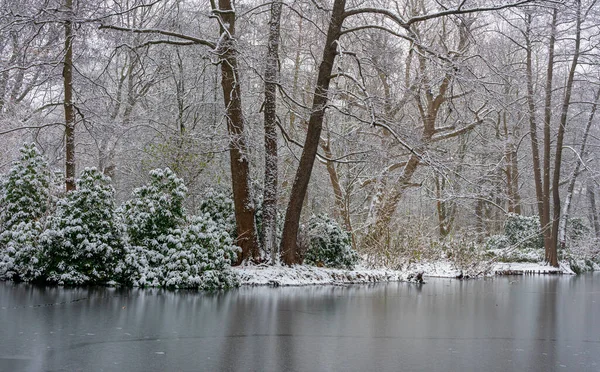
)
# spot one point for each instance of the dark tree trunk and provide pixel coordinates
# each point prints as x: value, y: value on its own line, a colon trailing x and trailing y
x: 553, y: 254
x: 270, y: 124
x: 537, y: 173
x: 240, y: 169
x: 545, y: 220
x: 311, y: 144
x: 68, y: 100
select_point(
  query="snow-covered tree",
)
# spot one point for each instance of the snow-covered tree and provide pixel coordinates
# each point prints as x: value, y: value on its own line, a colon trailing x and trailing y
x: 82, y: 243
x: 330, y: 245
x: 24, y: 200
x: 152, y: 219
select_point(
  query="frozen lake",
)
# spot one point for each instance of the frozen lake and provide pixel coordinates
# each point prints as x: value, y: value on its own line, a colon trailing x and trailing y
x: 530, y: 323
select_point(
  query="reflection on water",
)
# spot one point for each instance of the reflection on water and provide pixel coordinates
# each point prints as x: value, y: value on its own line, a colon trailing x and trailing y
x: 532, y: 323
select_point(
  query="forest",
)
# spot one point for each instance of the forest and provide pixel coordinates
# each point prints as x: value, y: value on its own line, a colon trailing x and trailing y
x: 159, y: 142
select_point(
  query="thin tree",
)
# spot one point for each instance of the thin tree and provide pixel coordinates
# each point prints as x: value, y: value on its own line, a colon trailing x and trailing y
x: 270, y: 124
x: 68, y: 99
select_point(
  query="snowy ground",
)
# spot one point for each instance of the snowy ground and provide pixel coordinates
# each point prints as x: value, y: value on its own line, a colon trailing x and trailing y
x: 301, y: 275
x: 310, y: 275
x: 531, y: 268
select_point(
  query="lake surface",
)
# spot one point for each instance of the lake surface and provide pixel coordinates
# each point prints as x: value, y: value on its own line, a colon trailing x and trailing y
x: 528, y: 323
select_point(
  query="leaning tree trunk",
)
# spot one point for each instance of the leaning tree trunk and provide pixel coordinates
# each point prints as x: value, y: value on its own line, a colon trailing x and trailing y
x: 313, y: 134
x: 68, y: 100
x: 270, y: 124
x: 240, y: 169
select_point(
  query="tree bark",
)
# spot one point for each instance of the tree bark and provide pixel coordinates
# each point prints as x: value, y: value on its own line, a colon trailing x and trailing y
x: 68, y: 100
x: 545, y: 221
x: 562, y: 233
x: 552, y: 257
x: 341, y: 204
x: 270, y: 124
x: 240, y: 169
x: 593, y: 213
x: 311, y: 143
x: 537, y: 173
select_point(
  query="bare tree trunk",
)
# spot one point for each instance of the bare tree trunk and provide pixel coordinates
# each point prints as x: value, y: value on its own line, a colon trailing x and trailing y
x: 545, y: 217
x: 591, y: 194
x: 270, y: 124
x: 340, y: 201
x: 562, y: 233
x: 240, y: 169
x: 516, y: 196
x: 512, y: 170
x: 553, y: 254
x: 68, y: 102
x: 315, y: 125
x: 537, y: 173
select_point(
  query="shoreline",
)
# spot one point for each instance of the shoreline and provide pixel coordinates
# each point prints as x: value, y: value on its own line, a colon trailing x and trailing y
x: 301, y: 275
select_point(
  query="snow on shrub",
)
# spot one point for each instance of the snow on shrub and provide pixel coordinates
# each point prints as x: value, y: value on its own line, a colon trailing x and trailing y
x: 81, y: 243
x: 24, y: 200
x: 523, y: 231
x: 151, y: 221
x: 577, y: 229
x: 204, y: 259
x: 329, y: 244
x: 163, y: 249
x: 499, y: 241
x: 522, y: 240
x: 219, y: 207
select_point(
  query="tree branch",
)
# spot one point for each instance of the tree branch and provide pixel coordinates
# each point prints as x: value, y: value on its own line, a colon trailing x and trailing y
x: 193, y: 39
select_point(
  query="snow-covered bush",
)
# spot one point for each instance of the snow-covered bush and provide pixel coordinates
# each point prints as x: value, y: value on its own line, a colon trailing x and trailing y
x: 577, y: 229
x: 151, y: 221
x: 329, y: 244
x: 81, y: 243
x: 204, y: 258
x: 164, y: 249
x: 25, y: 191
x: 522, y: 240
x: 24, y: 200
x: 499, y: 241
x: 219, y: 206
x: 523, y: 231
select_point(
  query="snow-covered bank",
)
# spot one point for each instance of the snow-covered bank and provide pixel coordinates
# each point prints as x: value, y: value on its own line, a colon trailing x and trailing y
x: 446, y: 269
x: 519, y: 268
x: 309, y: 275
x: 302, y: 275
